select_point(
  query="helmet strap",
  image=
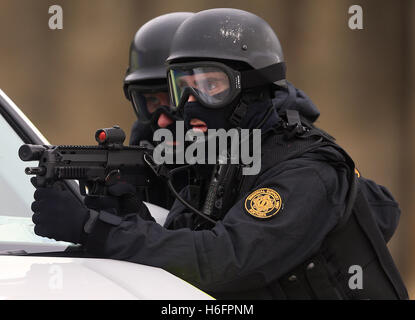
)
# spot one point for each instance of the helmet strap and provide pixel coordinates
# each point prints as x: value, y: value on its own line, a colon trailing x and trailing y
x: 253, y: 79
x: 238, y: 113
x: 248, y: 97
x: 260, y: 77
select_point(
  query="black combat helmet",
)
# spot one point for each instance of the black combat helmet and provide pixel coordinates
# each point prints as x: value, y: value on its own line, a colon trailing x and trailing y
x: 146, y: 75
x: 150, y: 48
x: 232, y: 57
x: 228, y: 34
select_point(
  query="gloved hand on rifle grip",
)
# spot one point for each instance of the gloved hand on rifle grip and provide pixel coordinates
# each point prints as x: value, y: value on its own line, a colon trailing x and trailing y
x: 121, y: 200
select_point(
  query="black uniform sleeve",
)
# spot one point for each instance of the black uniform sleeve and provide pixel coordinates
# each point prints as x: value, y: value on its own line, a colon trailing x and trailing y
x: 241, y: 252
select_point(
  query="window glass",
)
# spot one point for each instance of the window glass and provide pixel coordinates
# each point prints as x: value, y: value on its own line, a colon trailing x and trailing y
x: 16, y: 192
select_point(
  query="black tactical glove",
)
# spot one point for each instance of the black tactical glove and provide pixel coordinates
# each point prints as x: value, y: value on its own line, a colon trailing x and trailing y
x: 121, y: 200
x: 58, y: 214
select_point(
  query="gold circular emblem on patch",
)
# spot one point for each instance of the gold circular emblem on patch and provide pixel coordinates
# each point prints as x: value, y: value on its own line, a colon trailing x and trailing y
x: 263, y: 203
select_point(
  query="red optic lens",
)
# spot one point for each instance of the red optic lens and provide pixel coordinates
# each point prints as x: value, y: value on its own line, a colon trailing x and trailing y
x: 102, y: 136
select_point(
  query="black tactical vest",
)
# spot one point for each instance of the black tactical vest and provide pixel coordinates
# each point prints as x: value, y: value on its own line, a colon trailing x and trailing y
x: 354, y: 248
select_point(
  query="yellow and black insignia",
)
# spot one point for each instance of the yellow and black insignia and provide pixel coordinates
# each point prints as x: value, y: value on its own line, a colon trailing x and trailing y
x: 263, y: 203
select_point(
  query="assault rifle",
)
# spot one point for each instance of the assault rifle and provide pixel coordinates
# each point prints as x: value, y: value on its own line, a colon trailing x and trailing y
x: 95, y: 167
x: 98, y: 167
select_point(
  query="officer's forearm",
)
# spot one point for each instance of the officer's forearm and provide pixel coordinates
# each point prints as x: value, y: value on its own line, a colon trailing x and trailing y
x: 212, y: 260
x: 136, y: 240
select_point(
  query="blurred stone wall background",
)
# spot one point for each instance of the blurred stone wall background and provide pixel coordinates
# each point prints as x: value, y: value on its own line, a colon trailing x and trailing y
x: 69, y: 82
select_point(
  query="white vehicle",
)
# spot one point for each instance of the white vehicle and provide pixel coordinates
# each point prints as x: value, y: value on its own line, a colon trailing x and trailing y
x: 33, y: 267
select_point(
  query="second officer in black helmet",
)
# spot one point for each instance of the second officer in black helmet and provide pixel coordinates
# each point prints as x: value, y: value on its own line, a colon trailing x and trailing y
x: 145, y: 83
x: 145, y: 86
x: 293, y: 230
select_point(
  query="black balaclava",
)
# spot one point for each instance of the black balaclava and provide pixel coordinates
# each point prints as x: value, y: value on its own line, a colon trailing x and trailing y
x: 144, y: 130
x: 169, y: 113
x: 258, y: 102
x: 140, y: 132
x: 214, y: 118
x: 260, y: 114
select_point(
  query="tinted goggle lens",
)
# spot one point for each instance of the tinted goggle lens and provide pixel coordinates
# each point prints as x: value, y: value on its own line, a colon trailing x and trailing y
x: 210, y: 85
x: 145, y: 104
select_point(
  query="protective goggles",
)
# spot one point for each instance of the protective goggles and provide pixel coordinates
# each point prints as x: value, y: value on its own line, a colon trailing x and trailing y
x: 147, y: 99
x: 214, y: 84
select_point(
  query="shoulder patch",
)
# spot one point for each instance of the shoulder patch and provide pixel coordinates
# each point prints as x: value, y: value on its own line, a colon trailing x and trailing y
x: 263, y: 203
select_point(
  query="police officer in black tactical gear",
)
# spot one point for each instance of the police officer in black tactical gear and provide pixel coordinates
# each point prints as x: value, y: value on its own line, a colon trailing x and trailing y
x: 145, y: 86
x: 294, y: 230
x: 145, y: 83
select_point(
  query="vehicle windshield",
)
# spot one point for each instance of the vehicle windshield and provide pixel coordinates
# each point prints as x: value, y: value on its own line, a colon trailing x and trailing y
x: 16, y: 197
